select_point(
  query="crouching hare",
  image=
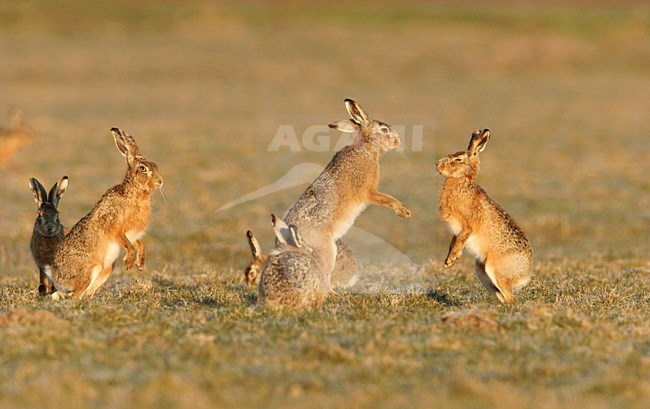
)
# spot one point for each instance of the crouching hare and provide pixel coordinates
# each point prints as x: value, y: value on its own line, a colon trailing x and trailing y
x: 84, y: 259
x: 48, y: 230
x: 503, y: 254
x: 344, y: 274
x: 291, y: 275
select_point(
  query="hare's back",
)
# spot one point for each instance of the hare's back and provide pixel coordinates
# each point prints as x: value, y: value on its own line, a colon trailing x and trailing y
x: 505, y: 229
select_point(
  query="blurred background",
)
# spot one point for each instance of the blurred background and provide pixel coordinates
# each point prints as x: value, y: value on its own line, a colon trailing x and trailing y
x: 207, y: 87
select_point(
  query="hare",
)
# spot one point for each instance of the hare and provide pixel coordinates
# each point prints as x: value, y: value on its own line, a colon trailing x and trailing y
x: 330, y: 205
x: 17, y: 136
x: 254, y: 268
x: 291, y: 275
x: 84, y: 259
x: 48, y: 231
x: 503, y: 254
x: 344, y: 273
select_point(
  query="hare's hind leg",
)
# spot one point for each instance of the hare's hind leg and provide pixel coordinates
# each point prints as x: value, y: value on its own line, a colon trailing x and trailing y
x: 90, y: 289
x: 45, y: 285
x: 485, y: 275
x: 99, y: 275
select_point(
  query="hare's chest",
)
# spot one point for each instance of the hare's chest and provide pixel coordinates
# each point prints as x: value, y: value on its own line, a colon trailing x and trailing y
x: 453, y: 224
x: 111, y: 254
x: 137, y: 221
x: 347, y: 219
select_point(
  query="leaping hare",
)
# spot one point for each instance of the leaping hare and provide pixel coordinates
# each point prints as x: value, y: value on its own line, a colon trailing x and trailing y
x: 291, y: 275
x: 17, y: 136
x: 503, y: 254
x: 330, y: 205
x: 48, y: 230
x: 84, y: 259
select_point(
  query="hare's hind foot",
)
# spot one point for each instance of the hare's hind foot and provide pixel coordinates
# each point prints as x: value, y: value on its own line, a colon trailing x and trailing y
x: 505, y: 297
x: 59, y: 295
x: 486, y: 276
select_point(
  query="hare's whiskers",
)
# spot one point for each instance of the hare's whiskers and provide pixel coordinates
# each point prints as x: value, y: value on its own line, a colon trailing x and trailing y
x: 162, y: 193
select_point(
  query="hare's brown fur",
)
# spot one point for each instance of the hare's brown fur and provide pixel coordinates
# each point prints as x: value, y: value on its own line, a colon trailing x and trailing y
x: 48, y: 231
x: 480, y: 226
x: 84, y: 259
x: 344, y: 273
x: 291, y: 276
x: 254, y: 268
x: 330, y: 205
x: 16, y: 137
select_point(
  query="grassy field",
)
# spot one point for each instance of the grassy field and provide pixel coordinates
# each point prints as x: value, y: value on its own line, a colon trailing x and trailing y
x: 205, y: 89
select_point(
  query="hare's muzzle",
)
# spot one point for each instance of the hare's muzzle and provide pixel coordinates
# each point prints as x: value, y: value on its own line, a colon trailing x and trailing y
x: 394, y: 141
x: 440, y: 165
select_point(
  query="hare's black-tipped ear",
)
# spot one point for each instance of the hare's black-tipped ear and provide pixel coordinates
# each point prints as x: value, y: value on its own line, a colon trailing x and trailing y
x: 120, y: 141
x: 126, y: 145
x: 256, y: 249
x: 57, y: 191
x: 40, y: 194
x: 345, y: 125
x: 356, y: 112
x: 478, y: 141
x: 281, y: 229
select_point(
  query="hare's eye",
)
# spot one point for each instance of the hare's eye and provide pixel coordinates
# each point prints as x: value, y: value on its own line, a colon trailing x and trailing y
x: 143, y: 169
x: 384, y: 129
x: 458, y: 159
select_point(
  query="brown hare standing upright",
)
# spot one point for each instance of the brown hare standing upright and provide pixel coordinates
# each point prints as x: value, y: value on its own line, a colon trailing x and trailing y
x: 330, y: 205
x: 84, y: 259
x: 48, y: 230
x: 17, y: 136
x: 503, y: 254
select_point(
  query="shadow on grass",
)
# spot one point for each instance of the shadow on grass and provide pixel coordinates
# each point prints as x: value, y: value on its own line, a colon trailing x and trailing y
x: 442, y: 298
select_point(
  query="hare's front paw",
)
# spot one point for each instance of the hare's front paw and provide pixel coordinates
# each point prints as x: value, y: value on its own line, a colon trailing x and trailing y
x: 129, y: 259
x: 451, y: 260
x: 403, y: 211
x: 139, y: 263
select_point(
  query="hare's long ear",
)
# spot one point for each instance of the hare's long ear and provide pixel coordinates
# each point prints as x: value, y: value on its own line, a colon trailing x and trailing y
x: 295, y: 237
x: 57, y: 191
x: 40, y: 194
x: 356, y: 112
x: 345, y: 125
x: 282, y: 231
x: 126, y: 145
x: 256, y: 249
x: 478, y: 142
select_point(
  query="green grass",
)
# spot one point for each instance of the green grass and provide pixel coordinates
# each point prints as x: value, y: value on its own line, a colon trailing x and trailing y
x: 579, y: 334
x: 203, y: 89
